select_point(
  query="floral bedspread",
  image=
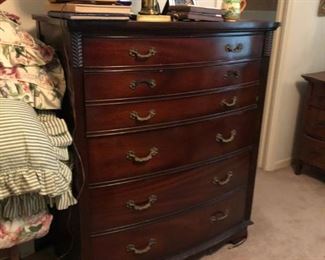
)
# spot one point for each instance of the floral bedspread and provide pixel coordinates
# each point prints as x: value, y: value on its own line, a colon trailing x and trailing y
x: 21, y: 230
x: 29, y: 69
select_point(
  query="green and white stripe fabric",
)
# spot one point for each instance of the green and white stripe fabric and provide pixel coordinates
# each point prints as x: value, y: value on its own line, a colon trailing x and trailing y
x: 32, y: 174
x: 57, y: 132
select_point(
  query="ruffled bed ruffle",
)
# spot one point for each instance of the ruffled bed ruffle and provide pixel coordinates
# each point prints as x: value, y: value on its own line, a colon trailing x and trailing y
x: 32, y: 203
x: 57, y: 132
x: 27, y: 180
x: 33, y: 160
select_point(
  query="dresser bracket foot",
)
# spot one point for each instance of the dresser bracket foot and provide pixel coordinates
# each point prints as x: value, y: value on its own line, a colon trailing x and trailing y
x: 238, y: 239
x: 238, y: 243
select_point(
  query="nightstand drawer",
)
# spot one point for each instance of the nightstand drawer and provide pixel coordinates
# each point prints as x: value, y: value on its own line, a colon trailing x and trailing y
x: 317, y: 98
x: 129, y: 85
x: 129, y: 155
x: 313, y: 152
x: 102, y: 52
x: 173, y: 234
x: 315, y: 123
x: 136, y: 114
x: 155, y: 197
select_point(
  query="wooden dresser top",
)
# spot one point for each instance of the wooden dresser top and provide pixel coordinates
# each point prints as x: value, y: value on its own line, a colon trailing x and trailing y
x: 133, y: 27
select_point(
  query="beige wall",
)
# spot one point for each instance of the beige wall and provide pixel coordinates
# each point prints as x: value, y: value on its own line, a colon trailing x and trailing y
x: 261, y: 4
x: 301, y: 50
x: 24, y: 9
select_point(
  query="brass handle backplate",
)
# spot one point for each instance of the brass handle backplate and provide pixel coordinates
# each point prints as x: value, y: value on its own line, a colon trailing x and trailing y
x: 151, y: 83
x: 232, y: 74
x: 131, y: 156
x: 225, y: 181
x: 221, y: 139
x: 136, y: 54
x: 233, y: 102
x: 133, y: 249
x: 132, y: 205
x: 219, y: 216
x: 134, y: 115
x: 231, y: 48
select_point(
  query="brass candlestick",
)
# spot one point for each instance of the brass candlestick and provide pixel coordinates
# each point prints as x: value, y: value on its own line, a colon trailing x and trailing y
x: 150, y: 7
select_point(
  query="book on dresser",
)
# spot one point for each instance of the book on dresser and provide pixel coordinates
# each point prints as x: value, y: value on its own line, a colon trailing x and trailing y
x: 88, y: 8
x: 166, y: 122
x: 195, y: 9
x: 195, y: 16
x: 89, y: 16
x: 190, y: 12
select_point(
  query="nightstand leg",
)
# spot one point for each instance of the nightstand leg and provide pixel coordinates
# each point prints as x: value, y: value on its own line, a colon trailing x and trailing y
x: 298, y: 167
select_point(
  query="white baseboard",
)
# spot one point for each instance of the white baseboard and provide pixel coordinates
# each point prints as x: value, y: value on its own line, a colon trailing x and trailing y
x: 278, y: 165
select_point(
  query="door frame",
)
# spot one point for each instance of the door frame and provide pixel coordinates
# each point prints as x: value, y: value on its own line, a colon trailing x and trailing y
x: 283, y: 15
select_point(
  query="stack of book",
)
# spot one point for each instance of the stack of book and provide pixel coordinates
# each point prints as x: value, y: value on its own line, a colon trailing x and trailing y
x: 196, y: 13
x: 118, y: 10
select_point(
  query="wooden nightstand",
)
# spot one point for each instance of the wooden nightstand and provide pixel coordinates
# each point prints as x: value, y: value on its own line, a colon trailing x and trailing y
x: 312, y: 139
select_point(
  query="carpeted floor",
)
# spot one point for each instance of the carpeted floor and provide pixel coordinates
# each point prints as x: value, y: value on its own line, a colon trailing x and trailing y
x: 289, y: 216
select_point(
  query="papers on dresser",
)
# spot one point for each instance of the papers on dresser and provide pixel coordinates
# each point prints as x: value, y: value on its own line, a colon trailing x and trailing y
x: 89, y: 16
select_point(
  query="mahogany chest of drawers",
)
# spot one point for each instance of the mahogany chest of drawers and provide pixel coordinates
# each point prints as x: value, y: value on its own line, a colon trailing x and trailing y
x: 167, y: 120
x: 312, y: 139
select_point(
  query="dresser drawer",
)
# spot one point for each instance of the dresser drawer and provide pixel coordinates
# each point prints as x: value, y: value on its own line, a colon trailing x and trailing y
x: 108, y: 85
x: 151, y: 198
x: 313, y: 152
x: 116, y: 116
x: 317, y: 97
x: 315, y: 122
x: 170, y: 235
x: 131, y: 155
x: 99, y: 52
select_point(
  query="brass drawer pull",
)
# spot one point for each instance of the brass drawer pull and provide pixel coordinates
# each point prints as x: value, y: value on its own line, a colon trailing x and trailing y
x: 232, y: 74
x: 219, y: 216
x: 133, y: 249
x: 131, y: 156
x: 225, y: 181
x: 151, y: 200
x: 136, y: 54
x: 134, y: 115
x: 220, y: 138
x: 233, y: 102
x: 238, y: 48
x: 151, y: 83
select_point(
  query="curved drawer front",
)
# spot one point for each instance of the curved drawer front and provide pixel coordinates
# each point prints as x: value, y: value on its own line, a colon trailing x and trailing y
x: 159, y: 51
x: 315, y: 123
x: 117, y: 116
x: 313, y: 151
x: 131, y: 155
x: 317, y: 97
x: 172, y: 235
x: 139, y: 84
x: 147, y: 199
